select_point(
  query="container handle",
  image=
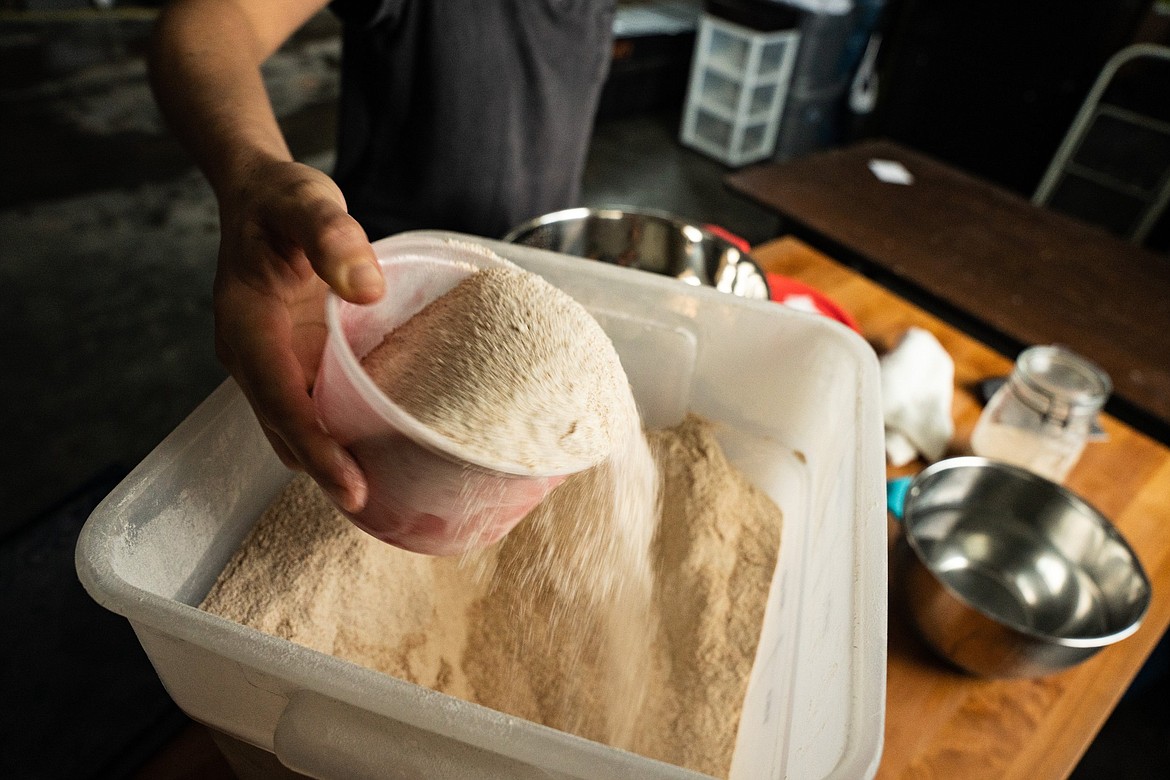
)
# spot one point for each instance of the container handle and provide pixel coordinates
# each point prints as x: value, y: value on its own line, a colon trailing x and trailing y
x: 322, y: 737
x: 896, y: 490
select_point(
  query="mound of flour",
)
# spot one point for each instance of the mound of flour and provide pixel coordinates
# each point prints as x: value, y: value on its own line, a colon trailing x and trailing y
x: 517, y: 640
x: 509, y: 368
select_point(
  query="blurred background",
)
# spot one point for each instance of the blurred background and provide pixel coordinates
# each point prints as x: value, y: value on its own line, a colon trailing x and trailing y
x: 108, y: 238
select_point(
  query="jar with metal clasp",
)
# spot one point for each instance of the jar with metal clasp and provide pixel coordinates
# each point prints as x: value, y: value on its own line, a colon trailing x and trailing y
x: 1041, y: 417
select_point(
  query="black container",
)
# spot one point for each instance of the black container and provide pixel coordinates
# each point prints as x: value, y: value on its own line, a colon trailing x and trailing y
x: 648, y: 74
x: 762, y: 15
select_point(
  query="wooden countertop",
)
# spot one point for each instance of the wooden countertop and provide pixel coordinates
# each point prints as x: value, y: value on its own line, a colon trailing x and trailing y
x: 942, y: 723
x: 1030, y: 275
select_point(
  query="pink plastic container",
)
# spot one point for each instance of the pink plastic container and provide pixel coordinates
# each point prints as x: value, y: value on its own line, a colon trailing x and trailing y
x: 425, y: 494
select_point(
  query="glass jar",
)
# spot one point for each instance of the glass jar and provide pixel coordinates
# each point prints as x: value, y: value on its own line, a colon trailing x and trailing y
x: 1041, y: 417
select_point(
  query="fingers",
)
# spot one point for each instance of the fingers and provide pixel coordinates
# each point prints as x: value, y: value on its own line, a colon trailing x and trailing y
x: 270, y: 307
x: 339, y: 251
x: 274, y: 383
x: 278, y: 446
x: 292, y: 420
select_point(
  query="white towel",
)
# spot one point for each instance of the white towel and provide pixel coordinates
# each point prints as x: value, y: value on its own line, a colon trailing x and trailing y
x: 918, y: 378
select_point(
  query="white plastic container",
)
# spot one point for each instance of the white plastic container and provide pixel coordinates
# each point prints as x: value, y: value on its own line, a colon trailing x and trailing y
x: 1042, y: 416
x: 798, y: 402
x: 738, y: 85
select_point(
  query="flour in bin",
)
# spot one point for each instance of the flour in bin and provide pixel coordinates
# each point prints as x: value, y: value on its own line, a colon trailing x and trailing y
x: 609, y: 612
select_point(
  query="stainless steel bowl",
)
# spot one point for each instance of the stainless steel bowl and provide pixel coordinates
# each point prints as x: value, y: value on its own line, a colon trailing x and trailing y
x: 649, y: 241
x: 1007, y: 574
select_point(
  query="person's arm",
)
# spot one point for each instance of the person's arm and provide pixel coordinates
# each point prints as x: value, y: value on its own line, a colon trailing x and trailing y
x: 285, y: 233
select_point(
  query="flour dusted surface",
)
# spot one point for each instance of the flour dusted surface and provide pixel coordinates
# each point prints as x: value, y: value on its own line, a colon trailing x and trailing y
x: 494, y: 629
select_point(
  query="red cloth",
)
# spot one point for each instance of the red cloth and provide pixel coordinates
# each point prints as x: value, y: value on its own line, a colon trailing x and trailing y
x: 783, y: 288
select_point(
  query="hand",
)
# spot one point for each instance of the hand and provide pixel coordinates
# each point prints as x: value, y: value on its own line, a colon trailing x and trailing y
x: 286, y: 238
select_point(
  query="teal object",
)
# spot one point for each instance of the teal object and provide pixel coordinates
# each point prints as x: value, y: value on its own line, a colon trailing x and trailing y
x: 896, y: 490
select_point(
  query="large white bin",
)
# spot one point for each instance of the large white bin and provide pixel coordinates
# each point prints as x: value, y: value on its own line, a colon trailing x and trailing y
x: 798, y: 401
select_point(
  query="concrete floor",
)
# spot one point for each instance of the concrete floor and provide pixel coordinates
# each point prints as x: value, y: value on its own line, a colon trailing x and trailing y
x: 107, y: 246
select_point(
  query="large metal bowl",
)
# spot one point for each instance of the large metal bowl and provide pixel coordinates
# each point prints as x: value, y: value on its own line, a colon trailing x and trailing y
x: 1007, y: 574
x: 650, y: 241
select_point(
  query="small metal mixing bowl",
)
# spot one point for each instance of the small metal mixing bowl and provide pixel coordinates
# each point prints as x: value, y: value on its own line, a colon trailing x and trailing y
x: 1007, y: 574
x: 647, y: 240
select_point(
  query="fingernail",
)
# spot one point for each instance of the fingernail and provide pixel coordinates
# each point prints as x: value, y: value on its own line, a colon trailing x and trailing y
x: 345, y: 499
x: 351, y: 495
x: 365, y: 279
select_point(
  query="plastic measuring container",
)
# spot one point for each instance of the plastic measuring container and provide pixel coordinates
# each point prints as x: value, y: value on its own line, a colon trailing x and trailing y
x: 426, y: 494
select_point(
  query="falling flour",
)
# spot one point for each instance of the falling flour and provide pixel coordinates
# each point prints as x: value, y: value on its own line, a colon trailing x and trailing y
x: 509, y: 367
x: 625, y: 608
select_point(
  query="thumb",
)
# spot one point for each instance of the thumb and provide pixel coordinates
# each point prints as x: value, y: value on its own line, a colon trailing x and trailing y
x: 337, y: 248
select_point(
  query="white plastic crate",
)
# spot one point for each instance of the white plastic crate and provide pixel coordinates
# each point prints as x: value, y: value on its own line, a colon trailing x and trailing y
x: 739, y: 82
x: 797, y: 399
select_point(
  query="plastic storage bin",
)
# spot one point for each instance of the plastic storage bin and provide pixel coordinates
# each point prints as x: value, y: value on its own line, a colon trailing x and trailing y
x: 738, y: 85
x: 797, y: 399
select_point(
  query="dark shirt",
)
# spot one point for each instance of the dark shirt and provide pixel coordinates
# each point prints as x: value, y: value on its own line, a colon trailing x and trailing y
x: 466, y: 115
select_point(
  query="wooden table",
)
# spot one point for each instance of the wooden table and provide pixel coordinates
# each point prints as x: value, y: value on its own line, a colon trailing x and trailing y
x: 1017, y: 274
x: 941, y: 723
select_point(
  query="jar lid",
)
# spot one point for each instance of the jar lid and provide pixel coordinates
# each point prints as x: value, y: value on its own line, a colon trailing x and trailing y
x: 1060, y: 382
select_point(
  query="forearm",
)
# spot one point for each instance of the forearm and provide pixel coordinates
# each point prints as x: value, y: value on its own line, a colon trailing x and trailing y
x: 205, y: 72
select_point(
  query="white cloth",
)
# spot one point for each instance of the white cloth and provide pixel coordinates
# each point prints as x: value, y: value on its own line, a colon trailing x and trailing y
x: 918, y: 378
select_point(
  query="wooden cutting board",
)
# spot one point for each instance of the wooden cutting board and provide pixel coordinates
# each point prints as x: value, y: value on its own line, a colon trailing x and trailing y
x: 943, y: 723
